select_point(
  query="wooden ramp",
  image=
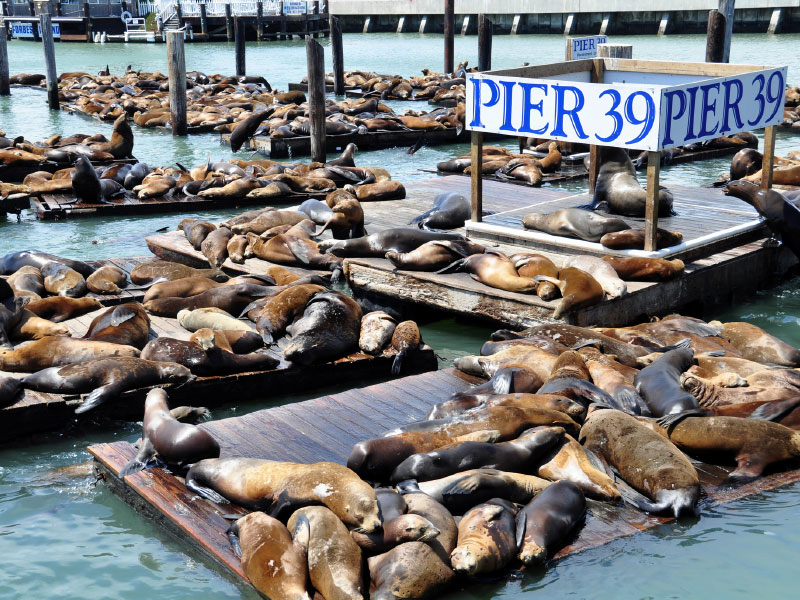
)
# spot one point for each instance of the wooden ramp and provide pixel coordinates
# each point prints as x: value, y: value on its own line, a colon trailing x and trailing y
x: 325, y: 429
x: 37, y: 412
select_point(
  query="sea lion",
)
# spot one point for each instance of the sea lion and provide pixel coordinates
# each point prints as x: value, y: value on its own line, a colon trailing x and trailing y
x: 421, y: 504
x: 13, y: 261
x: 61, y: 308
x: 11, y: 313
x: 659, y: 383
x: 396, y: 530
x: 714, y: 398
x: 607, y: 375
x: 648, y: 462
x: 282, y: 309
x: 410, y: 570
x: 381, y: 190
x: 260, y: 484
x: 31, y: 327
x: 450, y: 210
x: 462, y: 403
x: 494, y: 269
x: 126, y: 324
x: 745, y: 162
x: 215, y: 247
x: 57, y: 351
x: 531, y: 265
x: 538, y: 341
x: 618, y: 190
x: 334, y: 559
x: 246, y: 128
x: 205, y: 363
x: 230, y: 298
x: 238, y: 248
x: 86, y: 183
x: 578, y: 289
x: 377, y: 328
x: 267, y: 220
x: 163, y: 270
x: 347, y: 218
x: 184, y: 287
x: 27, y: 281
x: 316, y: 210
x: 753, y: 444
x: 574, y: 223
x: 602, y: 272
x: 435, y: 255
x: 10, y: 388
x: 521, y: 453
x: 196, y: 231
x: 402, y: 239
x: 530, y: 357
x: 547, y: 520
x: 105, y: 378
x: 757, y: 345
x: 293, y: 250
x: 568, y: 460
x: 164, y: 436
x: 108, y: 279
x: 328, y: 329
x: 645, y: 269
x: 782, y: 217
x: 633, y: 239
x: 406, y: 339
x: 486, y: 539
x: 121, y: 143
x: 211, y: 318
x: 62, y: 280
x: 238, y: 342
x: 275, y: 565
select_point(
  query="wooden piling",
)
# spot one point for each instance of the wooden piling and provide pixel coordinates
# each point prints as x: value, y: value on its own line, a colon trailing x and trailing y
x: 449, y: 32
x: 228, y: 23
x: 726, y: 8
x: 484, y: 43
x: 768, y: 157
x: 240, y: 50
x: 260, y: 21
x: 614, y: 51
x: 5, y: 88
x: 715, y: 36
x: 177, y: 81
x: 477, y: 180
x: 87, y: 16
x: 315, y: 59
x: 337, y: 50
x: 48, y: 44
x: 203, y: 19
x: 651, y: 207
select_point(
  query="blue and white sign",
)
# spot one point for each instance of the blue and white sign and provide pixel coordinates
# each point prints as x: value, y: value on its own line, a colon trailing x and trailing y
x: 627, y: 115
x: 586, y: 47
x: 25, y: 30
x: 294, y: 7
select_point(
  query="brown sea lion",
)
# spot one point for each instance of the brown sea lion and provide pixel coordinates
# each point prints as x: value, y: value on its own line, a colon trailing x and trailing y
x: 410, y: 570
x: 294, y: 251
x: 282, y: 309
x: 608, y: 376
x: 280, y: 486
x: 62, y: 280
x: 108, y: 279
x: 31, y: 327
x: 105, y: 378
x: 569, y: 364
x: 382, y: 190
x: 196, y: 231
x: 757, y: 345
x: 434, y: 255
x: 568, y: 460
x: 179, y: 288
x: 418, y: 503
x: 267, y: 220
x: 543, y: 342
x: 205, y: 363
x: 646, y: 269
x: 230, y: 298
x: 531, y: 265
x: 347, y: 220
x: 633, y: 239
x: 164, y: 436
x: 406, y: 339
x: 578, y: 290
x: 208, y: 338
x: 62, y: 308
x: 377, y: 328
x: 56, y: 351
x: 396, y: 530
x: 745, y: 162
x: 486, y: 539
x: 713, y: 396
x: 460, y: 404
x: 275, y: 565
x: 574, y: 223
x: 162, y: 270
x: 238, y: 248
x: 548, y: 520
x: 334, y: 559
x: 27, y: 281
x: 495, y: 270
x: 121, y: 143
x: 533, y: 358
x: 126, y: 324
x: 328, y: 329
x: 215, y: 246
x: 648, y: 462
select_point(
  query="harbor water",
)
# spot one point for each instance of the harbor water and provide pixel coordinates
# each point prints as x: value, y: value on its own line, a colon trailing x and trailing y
x: 63, y: 537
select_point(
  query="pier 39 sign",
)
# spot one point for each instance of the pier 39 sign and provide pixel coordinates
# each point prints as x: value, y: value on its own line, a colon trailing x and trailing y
x: 644, y: 116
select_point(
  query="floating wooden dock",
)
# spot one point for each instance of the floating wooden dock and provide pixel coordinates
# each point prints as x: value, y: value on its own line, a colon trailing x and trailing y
x: 325, y: 429
x: 38, y: 412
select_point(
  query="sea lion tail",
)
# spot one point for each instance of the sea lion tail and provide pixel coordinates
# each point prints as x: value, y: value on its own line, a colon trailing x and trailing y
x: 397, y: 363
x: 97, y: 397
x: 205, y: 492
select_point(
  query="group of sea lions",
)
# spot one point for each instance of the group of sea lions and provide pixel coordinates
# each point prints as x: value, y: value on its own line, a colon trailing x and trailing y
x: 505, y: 164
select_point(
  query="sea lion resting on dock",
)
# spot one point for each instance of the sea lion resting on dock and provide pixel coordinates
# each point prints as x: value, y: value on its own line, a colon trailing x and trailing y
x: 494, y: 269
x: 449, y: 211
x: 645, y: 269
x: 56, y: 351
x: 205, y: 363
x: 377, y: 328
x: 108, y: 279
x: 13, y: 261
x: 574, y: 223
x: 63, y: 280
x: 401, y: 239
x: 210, y: 318
x: 27, y: 281
x: 126, y: 324
x: 62, y: 308
x: 434, y: 255
x: 162, y: 270
x: 486, y: 538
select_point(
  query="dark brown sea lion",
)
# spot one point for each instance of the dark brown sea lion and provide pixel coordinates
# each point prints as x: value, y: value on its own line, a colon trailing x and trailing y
x: 757, y: 345
x: 164, y: 436
x: 435, y: 255
x: 62, y: 308
x: 648, y: 462
x: 280, y: 486
x: 162, y: 270
x: 574, y: 223
x: 645, y: 269
x: 230, y: 298
x: 215, y: 246
x: 86, y: 183
x: 377, y: 328
x: 745, y: 162
x: 245, y: 129
x: 57, y: 351
x: 275, y: 565
x: 205, y: 363
x: 633, y: 239
x: 450, y: 210
x: 62, y: 280
x: 108, y: 279
x: 105, y: 378
x: 121, y: 143
x: 196, y: 231
x: 402, y: 239
x: 15, y: 260
x: 659, y: 383
x: 334, y: 559
x: 410, y: 570
x: 328, y: 329
x: 27, y: 281
x: 495, y: 270
x: 578, y: 290
x: 126, y: 324
x: 548, y: 520
x: 282, y: 309
x: 10, y: 388
x: 486, y: 539
x: 396, y: 530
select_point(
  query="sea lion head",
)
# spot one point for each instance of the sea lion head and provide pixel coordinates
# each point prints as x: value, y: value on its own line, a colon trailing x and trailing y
x: 411, y: 528
x: 361, y: 511
x: 744, y: 190
x: 175, y: 373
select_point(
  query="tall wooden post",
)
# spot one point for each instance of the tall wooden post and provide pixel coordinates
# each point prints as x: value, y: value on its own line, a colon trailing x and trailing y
x: 449, y: 33
x: 260, y: 21
x: 484, y: 43
x: 315, y: 59
x: 87, y: 15
x: 177, y: 81
x: 768, y: 157
x: 203, y: 19
x: 715, y: 36
x: 476, y: 176
x: 598, y: 69
x: 49, y: 55
x: 614, y: 51
x: 5, y: 88
x: 651, y: 207
x: 335, y: 26
x: 228, y: 23
x: 726, y: 8
x: 240, y: 57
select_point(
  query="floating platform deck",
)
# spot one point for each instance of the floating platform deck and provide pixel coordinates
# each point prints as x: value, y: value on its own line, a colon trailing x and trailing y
x: 325, y: 429
x: 38, y: 412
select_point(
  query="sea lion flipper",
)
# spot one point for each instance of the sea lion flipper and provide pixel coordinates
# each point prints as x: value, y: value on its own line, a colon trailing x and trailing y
x: 522, y: 522
x: 146, y: 452
x: 774, y: 411
x: 501, y: 383
x: 206, y: 492
x: 598, y: 463
x: 282, y: 504
x: 634, y: 498
x: 397, y: 363
x: 98, y: 397
x: 452, y: 267
x: 670, y: 421
x: 233, y: 538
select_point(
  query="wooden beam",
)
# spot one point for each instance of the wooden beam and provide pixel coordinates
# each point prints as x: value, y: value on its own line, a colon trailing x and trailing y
x: 614, y: 51
x: 484, y: 43
x: 240, y: 48
x: 651, y: 210
x: 477, y: 181
x: 769, y: 157
x: 715, y: 37
x: 176, y: 60
x: 337, y: 51
x: 49, y: 56
x: 449, y: 32
x: 315, y: 61
x: 598, y: 68
x: 5, y: 88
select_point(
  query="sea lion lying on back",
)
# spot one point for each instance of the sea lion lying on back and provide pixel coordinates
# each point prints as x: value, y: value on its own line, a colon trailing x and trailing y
x: 574, y: 223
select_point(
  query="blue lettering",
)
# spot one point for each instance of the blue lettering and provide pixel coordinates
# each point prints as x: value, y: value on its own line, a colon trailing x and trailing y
x: 476, y: 103
x: 528, y: 107
x: 670, y: 97
x: 708, y: 107
x: 508, y: 86
x: 572, y: 113
x: 692, y: 93
x: 614, y: 114
x: 760, y: 97
x: 732, y: 105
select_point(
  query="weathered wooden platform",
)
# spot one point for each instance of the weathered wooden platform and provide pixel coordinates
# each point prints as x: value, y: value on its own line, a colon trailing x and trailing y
x: 38, y: 412
x: 325, y: 429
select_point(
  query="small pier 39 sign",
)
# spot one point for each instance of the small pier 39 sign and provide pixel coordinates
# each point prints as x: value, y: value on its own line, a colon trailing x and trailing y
x: 644, y: 116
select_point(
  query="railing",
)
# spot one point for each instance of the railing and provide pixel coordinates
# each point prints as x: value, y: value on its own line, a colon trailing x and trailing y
x: 146, y: 7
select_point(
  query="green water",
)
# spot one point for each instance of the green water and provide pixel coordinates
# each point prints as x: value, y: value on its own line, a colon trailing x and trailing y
x: 62, y: 538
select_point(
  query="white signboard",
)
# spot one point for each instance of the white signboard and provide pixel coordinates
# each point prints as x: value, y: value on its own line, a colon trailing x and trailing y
x: 294, y: 7
x: 586, y: 47
x: 640, y: 116
x: 25, y: 30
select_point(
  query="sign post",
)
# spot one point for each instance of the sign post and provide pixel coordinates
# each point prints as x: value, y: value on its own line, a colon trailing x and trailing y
x: 579, y: 48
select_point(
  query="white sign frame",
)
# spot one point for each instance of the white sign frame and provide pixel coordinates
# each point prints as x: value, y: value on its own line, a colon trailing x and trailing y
x: 24, y: 30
